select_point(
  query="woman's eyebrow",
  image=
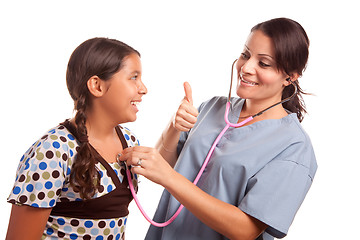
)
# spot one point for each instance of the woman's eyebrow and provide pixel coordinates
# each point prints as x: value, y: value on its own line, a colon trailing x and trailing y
x: 261, y: 54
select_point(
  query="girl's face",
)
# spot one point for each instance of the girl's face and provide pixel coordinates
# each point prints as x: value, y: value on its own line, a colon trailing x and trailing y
x: 258, y: 76
x: 124, y: 91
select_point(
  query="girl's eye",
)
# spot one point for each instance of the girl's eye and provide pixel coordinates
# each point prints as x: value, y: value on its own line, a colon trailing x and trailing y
x: 134, y: 77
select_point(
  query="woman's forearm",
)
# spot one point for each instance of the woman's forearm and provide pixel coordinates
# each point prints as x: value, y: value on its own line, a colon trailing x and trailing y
x: 224, y: 218
x: 167, y: 144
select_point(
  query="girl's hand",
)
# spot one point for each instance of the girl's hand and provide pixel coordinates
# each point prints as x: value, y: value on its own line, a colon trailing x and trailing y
x: 147, y: 162
x: 186, y: 115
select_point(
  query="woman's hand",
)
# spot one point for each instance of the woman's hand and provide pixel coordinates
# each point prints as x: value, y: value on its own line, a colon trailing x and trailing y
x: 147, y: 162
x: 186, y: 115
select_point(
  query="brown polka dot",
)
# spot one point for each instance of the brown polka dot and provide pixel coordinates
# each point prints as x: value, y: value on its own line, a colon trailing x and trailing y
x: 110, y: 237
x: 22, y: 178
x: 63, y: 139
x: 86, y: 237
x: 74, y: 222
x: 55, y: 174
x: 36, y: 176
x: 41, y: 195
x: 23, y: 199
x: 101, y: 224
x: 45, y: 136
x: 64, y: 157
x: 61, y: 234
x: 49, y: 154
x: 133, y: 138
x: 120, y: 222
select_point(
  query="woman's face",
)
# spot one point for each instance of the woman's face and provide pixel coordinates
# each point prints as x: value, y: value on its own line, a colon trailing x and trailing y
x: 125, y: 90
x: 258, y: 76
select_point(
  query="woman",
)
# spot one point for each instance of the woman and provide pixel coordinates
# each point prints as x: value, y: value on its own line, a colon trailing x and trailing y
x: 260, y: 172
x: 69, y: 184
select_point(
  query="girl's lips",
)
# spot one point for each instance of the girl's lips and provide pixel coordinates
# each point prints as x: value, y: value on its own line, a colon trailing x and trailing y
x: 135, y: 104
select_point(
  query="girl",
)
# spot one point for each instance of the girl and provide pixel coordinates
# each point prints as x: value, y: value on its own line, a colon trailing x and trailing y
x: 259, y: 173
x: 69, y: 184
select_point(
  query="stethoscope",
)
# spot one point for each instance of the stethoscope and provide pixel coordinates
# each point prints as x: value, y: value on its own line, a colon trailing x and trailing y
x: 228, y: 125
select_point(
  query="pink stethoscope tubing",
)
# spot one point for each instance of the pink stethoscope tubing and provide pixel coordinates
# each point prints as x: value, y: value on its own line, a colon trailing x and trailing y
x: 228, y: 124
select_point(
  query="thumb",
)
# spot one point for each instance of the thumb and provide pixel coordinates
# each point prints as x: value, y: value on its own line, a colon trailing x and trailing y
x: 188, y: 92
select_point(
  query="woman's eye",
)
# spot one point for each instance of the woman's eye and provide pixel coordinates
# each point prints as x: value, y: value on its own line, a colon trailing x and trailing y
x: 264, y: 64
x: 244, y: 56
x: 134, y: 77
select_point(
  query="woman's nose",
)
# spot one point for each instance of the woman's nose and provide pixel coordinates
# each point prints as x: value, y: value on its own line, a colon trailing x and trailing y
x: 248, y: 67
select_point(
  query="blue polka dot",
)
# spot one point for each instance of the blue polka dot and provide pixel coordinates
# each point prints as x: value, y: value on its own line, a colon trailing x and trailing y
x: 71, y: 153
x: 99, y: 238
x: 112, y: 224
x: 127, y: 137
x: 52, y: 131
x: 73, y: 236
x: 61, y: 133
x: 109, y: 188
x: 65, y: 147
x: 35, y: 205
x: 30, y: 188
x: 46, y: 145
x: 56, y: 145
x: 71, y: 137
x: 68, y: 171
x: 33, y: 167
x: 16, y: 190
x: 38, y: 186
x: 67, y: 229
x: 49, y: 231
x: 94, y: 231
x: 58, y: 183
x: 38, y: 144
x: 48, y: 185
x: 52, y: 203
x: 42, y: 165
x: 117, y: 236
x: 61, y: 221
x: 88, y: 224
x: 22, y: 158
x: 27, y: 165
x: 53, y: 164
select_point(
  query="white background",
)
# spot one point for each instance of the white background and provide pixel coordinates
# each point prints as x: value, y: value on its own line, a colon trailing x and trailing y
x: 193, y: 41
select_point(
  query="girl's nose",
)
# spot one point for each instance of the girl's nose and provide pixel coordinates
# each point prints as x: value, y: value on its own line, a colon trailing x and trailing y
x: 142, y: 88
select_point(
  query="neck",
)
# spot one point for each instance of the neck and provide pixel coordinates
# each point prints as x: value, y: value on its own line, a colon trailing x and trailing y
x: 252, y: 107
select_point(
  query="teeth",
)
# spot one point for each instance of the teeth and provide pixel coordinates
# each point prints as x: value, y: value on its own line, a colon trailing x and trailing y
x: 247, y: 82
x: 135, y: 103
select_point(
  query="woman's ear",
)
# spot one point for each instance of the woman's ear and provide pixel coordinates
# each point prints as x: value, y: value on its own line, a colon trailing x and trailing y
x: 292, y: 78
x: 95, y: 86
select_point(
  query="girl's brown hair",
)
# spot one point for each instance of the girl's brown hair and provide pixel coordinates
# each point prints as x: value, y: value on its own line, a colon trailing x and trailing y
x: 291, y: 45
x: 100, y: 57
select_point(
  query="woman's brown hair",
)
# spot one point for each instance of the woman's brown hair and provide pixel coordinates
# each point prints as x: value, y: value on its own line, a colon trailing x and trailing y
x: 291, y: 45
x: 100, y: 57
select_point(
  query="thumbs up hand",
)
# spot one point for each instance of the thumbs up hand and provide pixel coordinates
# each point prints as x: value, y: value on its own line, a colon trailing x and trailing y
x: 186, y: 115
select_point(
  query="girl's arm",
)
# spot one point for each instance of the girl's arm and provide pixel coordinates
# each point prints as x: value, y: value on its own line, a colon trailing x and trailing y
x: 27, y: 222
x: 224, y: 218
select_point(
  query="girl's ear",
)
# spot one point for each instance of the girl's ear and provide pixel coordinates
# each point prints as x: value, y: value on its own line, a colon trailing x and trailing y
x: 95, y: 86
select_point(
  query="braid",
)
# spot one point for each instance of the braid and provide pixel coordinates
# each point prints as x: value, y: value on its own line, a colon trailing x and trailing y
x: 83, y: 171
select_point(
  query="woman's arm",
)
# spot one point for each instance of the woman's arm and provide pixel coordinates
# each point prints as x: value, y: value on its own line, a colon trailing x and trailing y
x: 184, y: 119
x: 224, y: 218
x: 27, y: 222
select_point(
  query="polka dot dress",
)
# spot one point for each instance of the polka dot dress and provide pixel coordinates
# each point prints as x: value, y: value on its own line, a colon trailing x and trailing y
x: 42, y: 180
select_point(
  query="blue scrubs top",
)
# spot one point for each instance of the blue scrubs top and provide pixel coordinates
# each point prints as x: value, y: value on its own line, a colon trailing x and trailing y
x: 265, y: 169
